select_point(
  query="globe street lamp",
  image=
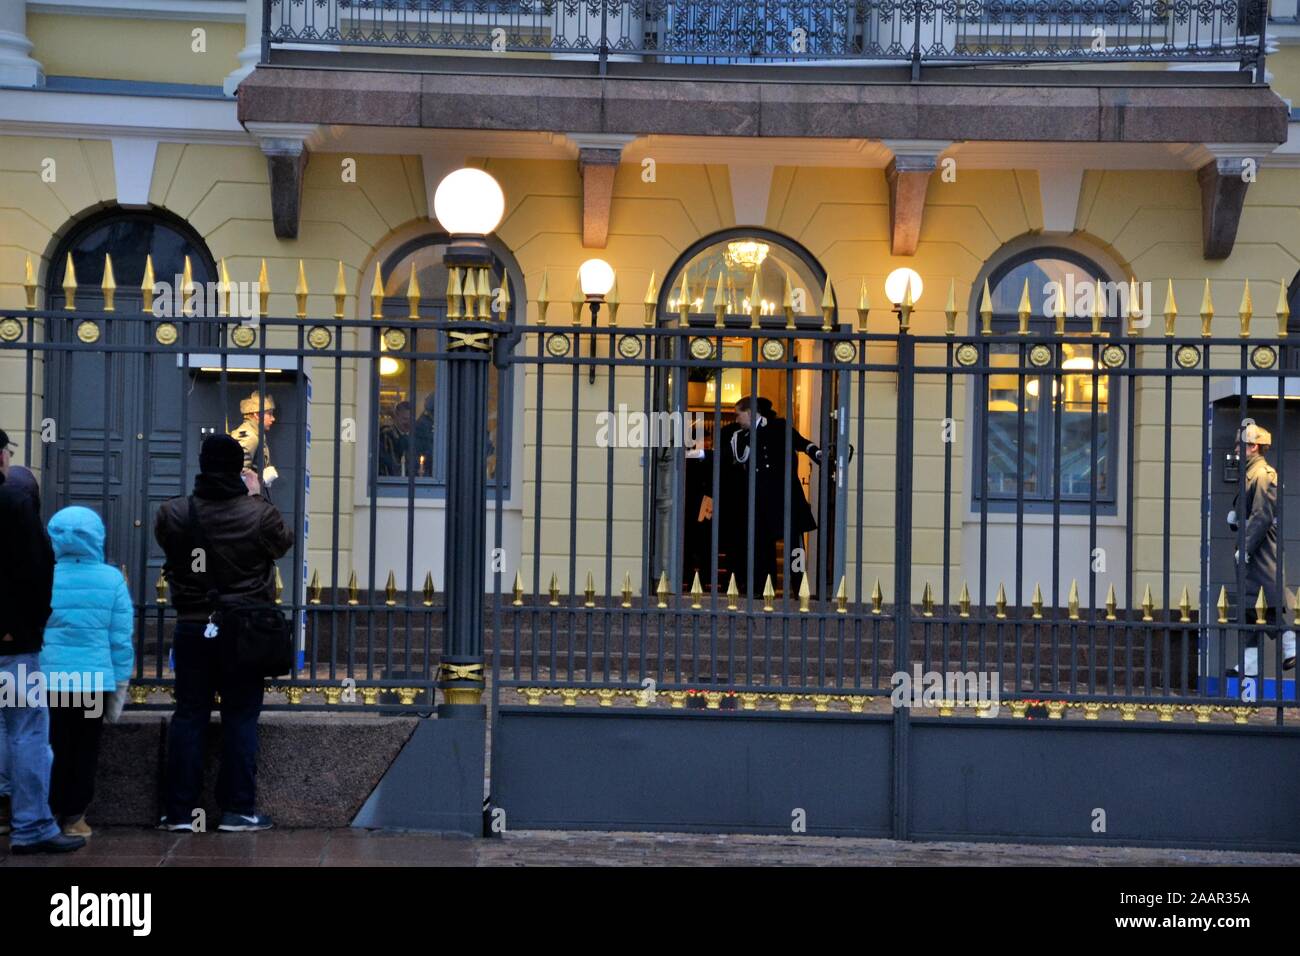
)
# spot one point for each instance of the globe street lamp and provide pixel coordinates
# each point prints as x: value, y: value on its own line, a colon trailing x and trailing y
x: 469, y: 204
x: 903, y: 287
x: 596, y: 277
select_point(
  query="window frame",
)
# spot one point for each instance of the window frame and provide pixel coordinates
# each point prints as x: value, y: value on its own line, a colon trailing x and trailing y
x: 1005, y: 326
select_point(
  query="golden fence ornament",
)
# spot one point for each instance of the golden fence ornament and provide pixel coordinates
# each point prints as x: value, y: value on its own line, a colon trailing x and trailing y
x: 69, y: 286
x: 108, y: 288
x: 986, y: 311
x: 1283, y: 309
x: 301, y: 292
x: 1171, y: 310
x: 650, y: 303
x: 1207, y: 311
x: 864, y: 304
x: 950, y: 309
x: 543, y: 297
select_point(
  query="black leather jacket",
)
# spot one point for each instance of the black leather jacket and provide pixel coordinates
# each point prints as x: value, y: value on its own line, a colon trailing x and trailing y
x: 245, y: 535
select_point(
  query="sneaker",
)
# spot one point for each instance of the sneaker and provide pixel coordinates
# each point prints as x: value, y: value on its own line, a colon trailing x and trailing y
x: 243, y: 823
x: 76, y: 827
x: 55, y: 844
x: 179, y: 827
x: 6, y: 815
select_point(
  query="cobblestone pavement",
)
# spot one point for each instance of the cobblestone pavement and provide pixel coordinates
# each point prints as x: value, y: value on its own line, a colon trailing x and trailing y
x: 135, y: 847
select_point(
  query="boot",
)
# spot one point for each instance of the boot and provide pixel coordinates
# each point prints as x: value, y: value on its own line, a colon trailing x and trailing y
x: 75, y: 826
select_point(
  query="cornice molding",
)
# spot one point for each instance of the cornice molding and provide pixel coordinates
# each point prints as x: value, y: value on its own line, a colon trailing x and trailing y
x: 209, y: 11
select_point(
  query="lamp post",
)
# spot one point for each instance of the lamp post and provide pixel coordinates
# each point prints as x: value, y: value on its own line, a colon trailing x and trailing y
x: 469, y: 204
x: 596, y: 276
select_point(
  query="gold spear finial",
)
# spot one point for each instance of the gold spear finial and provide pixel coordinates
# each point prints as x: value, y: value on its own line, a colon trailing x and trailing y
x: 301, y: 292
x: 927, y: 601
x: 428, y: 588
x: 864, y: 304
x: 555, y: 590
x: 661, y: 592
x: 1059, y: 313
x: 484, y: 294
x: 459, y: 306
x: 504, y: 301
x: 518, y: 589
x: 352, y: 589
x: 1283, y: 309
x: 1134, y: 306
x: 651, y: 302
x: 733, y: 594
x: 1223, y: 604
x: 755, y: 302
x: 950, y: 308
x: 612, y: 301
x: 627, y: 589
x: 340, y: 292
x: 684, y: 301
x: 146, y: 285
x: 1000, y: 602
x: 1111, y: 603
x: 787, y: 302
x: 986, y: 310
x: 1073, y: 599
x: 769, y: 594
x: 413, y: 294
x: 1037, y: 602
x: 1207, y: 311
x: 468, y: 293
x: 805, y: 595
x: 589, y: 594
x: 377, y: 295
x: 109, y: 286
x: 963, y: 601
x: 1245, y: 311
x: 160, y: 590
x: 1098, y: 308
x: 697, y: 592
x: 828, y: 306
x: 224, y: 289
x: 720, y: 303
x: 1024, y: 309
x: 1171, y: 309
x: 390, y: 590
x: 877, y: 598
x: 905, y: 309
x: 188, y: 297
x: 69, y: 285
x: 1185, y: 606
x: 263, y: 291
x: 313, y: 589
x: 279, y: 586
x: 842, y: 597
x: 1261, y: 607
x: 29, y: 283
x: 543, y: 297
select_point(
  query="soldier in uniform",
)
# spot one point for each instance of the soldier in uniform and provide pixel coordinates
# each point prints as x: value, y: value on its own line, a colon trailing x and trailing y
x: 252, y: 436
x: 1260, y: 555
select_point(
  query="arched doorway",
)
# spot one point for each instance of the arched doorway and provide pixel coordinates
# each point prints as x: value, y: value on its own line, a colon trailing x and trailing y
x: 117, y: 415
x: 807, y: 399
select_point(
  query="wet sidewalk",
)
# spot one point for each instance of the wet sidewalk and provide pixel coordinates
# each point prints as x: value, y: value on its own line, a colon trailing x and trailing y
x: 122, y: 846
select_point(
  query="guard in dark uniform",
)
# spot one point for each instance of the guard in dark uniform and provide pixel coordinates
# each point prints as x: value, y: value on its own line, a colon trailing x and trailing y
x: 251, y: 435
x: 1260, y: 555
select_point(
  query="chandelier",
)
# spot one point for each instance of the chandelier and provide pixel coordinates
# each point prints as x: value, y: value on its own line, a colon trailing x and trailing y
x: 746, y: 254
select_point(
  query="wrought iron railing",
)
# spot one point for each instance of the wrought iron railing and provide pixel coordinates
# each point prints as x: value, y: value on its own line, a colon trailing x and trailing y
x: 783, y: 31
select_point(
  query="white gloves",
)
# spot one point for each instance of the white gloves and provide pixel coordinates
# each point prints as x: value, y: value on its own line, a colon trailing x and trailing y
x: 115, y: 702
x: 1232, y: 520
x: 695, y: 453
x: 269, y: 474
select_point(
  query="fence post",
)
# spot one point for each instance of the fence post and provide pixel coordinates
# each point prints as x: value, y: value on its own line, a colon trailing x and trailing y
x: 902, y: 573
x: 916, y: 40
x: 460, y: 671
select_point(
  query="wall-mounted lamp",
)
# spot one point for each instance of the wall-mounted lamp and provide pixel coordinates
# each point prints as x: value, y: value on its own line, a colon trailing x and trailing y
x: 903, y: 287
x: 596, y: 277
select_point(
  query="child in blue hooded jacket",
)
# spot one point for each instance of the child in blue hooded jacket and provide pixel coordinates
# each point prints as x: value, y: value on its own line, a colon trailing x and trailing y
x: 88, y: 654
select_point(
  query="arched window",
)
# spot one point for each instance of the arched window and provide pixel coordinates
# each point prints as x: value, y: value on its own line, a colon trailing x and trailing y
x: 410, y: 408
x: 1055, y: 432
x: 130, y: 236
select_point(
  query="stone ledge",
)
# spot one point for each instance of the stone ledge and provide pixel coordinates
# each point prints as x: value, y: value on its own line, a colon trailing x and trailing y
x: 314, y: 770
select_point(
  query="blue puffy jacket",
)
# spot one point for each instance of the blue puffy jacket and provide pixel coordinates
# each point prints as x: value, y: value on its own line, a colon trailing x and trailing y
x: 88, y: 637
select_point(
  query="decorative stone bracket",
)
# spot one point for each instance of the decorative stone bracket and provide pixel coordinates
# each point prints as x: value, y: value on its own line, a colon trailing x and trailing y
x: 599, y: 156
x: 1224, y: 180
x: 285, y: 147
x: 908, y: 174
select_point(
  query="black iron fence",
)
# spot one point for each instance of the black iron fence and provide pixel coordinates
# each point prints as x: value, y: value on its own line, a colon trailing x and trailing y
x: 784, y: 31
x: 1032, y: 518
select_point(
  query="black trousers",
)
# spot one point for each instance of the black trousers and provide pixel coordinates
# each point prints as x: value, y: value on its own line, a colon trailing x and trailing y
x: 765, y: 566
x: 199, y: 675
x: 74, y: 738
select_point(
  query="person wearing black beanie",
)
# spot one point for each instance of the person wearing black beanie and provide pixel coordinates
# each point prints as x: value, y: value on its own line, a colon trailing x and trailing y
x: 242, y: 535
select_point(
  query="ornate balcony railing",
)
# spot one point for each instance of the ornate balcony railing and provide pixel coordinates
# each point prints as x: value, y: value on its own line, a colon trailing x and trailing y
x: 783, y: 31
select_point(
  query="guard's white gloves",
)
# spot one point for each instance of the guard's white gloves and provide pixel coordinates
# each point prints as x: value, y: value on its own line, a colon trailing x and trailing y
x: 1232, y: 520
x: 269, y: 474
